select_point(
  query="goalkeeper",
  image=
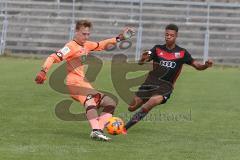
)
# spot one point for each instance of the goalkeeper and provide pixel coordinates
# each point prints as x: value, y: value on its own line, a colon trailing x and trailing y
x: 74, y: 52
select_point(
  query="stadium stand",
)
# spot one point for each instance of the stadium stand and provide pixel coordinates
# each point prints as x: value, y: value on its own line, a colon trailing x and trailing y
x: 42, y: 26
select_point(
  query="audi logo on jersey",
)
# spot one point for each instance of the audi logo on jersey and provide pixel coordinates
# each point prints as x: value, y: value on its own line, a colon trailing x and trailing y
x: 168, y: 64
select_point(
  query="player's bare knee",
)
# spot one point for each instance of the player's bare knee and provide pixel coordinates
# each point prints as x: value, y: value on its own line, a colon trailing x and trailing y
x: 135, y: 104
x: 108, y: 105
x: 92, y: 100
x: 109, y: 109
x: 107, y: 101
x: 132, y: 108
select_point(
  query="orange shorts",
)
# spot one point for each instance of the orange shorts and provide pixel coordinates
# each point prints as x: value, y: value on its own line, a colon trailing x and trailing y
x: 79, y: 88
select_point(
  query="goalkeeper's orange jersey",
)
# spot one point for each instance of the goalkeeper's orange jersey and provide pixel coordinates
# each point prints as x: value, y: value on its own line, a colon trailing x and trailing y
x: 74, y: 54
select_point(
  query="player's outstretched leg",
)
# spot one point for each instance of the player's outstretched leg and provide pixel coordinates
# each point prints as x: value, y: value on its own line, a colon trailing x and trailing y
x: 109, y: 106
x: 135, y: 104
x: 93, y: 118
x: 136, y: 117
x: 146, y: 107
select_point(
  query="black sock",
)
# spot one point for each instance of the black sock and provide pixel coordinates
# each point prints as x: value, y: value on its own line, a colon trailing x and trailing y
x: 97, y: 130
x: 136, y: 118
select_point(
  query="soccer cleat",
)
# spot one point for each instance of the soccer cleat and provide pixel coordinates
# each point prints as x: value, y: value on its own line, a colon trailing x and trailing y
x: 99, y: 136
x: 124, y: 131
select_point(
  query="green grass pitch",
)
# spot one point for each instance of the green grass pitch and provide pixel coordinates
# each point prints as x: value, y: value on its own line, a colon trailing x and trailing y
x: 201, y: 121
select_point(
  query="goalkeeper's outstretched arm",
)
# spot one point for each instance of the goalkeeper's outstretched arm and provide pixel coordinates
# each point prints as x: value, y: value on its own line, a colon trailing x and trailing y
x: 126, y: 33
x: 42, y: 75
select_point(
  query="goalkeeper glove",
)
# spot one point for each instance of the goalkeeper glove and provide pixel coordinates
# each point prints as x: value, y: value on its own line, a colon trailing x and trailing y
x: 127, y: 33
x: 41, y: 77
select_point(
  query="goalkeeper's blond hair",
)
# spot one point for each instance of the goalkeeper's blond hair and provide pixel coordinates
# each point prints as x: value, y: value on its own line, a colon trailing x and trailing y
x: 83, y: 23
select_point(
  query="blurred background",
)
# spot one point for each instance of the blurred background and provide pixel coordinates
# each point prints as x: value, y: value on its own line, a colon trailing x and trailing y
x: 208, y: 28
x: 200, y: 121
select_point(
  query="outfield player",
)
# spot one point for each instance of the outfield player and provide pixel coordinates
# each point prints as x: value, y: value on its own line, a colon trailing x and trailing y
x: 74, y: 53
x: 168, y: 60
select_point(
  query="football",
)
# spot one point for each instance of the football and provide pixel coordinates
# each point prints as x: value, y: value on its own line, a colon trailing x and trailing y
x: 114, y: 126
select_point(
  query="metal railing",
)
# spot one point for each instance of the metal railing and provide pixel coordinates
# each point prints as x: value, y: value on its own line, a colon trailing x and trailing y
x: 206, y: 28
x: 4, y: 27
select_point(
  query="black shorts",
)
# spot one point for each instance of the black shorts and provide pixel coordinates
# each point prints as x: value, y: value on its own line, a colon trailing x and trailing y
x: 153, y: 86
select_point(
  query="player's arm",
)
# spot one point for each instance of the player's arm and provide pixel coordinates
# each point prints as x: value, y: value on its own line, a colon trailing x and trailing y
x: 196, y: 64
x: 127, y: 33
x: 60, y: 55
x: 102, y: 45
x: 199, y: 66
x: 42, y: 75
x: 146, y: 57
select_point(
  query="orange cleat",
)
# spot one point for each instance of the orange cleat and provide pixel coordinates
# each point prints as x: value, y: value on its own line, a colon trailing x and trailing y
x: 124, y: 131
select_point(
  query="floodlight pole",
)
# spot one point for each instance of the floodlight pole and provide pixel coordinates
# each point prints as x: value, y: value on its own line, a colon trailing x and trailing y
x: 139, y: 33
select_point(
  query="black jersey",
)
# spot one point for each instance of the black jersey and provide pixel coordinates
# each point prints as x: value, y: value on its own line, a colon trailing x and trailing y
x: 167, y: 64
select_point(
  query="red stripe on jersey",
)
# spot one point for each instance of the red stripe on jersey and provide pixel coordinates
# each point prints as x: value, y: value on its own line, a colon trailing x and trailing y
x: 177, y: 74
x: 168, y: 55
